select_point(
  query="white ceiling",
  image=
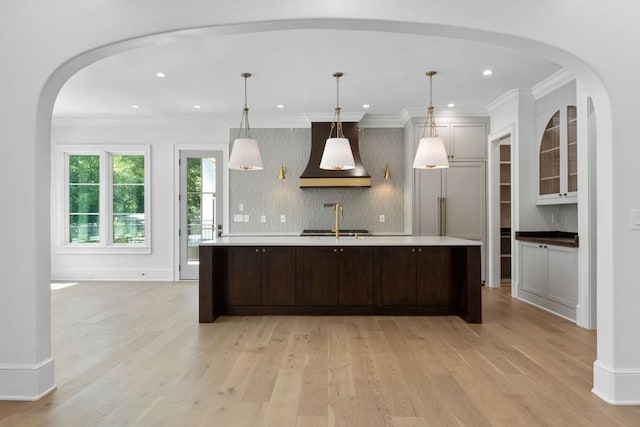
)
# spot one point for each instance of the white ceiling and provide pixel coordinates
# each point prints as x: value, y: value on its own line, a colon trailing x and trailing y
x: 295, y: 68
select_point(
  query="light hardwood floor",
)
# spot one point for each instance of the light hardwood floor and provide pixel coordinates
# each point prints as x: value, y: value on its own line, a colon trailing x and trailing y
x: 134, y: 354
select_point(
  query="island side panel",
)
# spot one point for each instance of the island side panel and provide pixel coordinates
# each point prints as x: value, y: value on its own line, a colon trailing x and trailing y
x: 206, y: 299
x: 212, y: 283
x: 471, y: 309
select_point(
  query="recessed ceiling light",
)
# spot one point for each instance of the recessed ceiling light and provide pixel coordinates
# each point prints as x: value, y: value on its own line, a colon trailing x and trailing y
x: 366, y: 105
x: 135, y: 107
x: 197, y: 107
x: 487, y: 72
x: 161, y: 74
x: 280, y: 106
x: 451, y: 105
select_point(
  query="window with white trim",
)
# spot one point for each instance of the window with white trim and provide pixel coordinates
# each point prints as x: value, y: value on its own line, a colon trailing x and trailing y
x: 105, y: 198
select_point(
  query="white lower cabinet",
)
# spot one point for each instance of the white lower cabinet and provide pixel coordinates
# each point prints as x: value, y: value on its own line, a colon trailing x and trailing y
x: 548, y: 277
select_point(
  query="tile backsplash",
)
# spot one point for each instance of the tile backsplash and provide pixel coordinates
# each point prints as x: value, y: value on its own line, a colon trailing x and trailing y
x: 262, y: 194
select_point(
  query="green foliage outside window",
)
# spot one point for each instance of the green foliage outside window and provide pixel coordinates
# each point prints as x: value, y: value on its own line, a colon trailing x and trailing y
x: 194, y: 189
x: 84, y: 199
x: 128, y: 198
x: 127, y: 192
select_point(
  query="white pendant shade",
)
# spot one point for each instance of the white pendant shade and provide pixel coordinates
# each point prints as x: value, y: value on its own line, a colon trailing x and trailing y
x: 245, y: 155
x: 337, y: 155
x: 431, y: 154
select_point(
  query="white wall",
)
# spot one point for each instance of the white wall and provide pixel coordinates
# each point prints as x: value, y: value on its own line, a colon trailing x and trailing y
x: 162, y: 136
x: 73, y: 33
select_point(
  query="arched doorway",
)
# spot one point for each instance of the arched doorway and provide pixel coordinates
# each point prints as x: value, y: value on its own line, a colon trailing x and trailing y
x: 57, y: 79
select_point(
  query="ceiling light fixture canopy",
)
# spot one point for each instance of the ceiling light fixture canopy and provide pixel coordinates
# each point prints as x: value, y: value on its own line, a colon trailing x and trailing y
x: 245, y: 154
x: 431, y: 153
x: 337, y: 154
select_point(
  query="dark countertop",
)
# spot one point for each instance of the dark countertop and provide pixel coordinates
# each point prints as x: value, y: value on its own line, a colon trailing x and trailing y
x: 557, y: 238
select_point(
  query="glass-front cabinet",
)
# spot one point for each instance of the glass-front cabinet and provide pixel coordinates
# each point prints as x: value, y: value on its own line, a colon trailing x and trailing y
x: 558, y: 159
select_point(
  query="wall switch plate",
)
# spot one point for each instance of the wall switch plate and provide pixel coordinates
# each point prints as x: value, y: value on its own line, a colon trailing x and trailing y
x: 283, y: 218
x: 238, y: 218
x: 246, y: 218
x: 263, y: 218
x: 241, y: 207
x: 635, y: 219
x: 381, y: 218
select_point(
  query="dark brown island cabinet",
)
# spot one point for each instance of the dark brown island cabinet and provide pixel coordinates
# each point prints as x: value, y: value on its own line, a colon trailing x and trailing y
x: 339, y: 280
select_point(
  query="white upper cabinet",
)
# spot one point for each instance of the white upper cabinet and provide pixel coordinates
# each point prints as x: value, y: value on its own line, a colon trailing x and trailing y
x: 557, y: 158
x: 468, y: 142
x: 463, y: 141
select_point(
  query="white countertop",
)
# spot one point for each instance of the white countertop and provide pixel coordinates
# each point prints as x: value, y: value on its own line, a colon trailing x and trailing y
x: 342, y: 241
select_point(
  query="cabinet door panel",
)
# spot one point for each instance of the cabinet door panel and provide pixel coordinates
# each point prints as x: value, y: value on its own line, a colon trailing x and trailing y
x: 429, y: 188
x: 533, y: 269
x: 399, y: 276
x: 434, y: 276
x: 468, y: 141
x: 278, y: 276
x: 321, y: 286
x: 562, y: 287
x: 244, y: 282
x: 356, y: 276
x: 464, y: 187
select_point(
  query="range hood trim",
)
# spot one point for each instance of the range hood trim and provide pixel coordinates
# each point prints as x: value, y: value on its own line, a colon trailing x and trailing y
x: 314, y: 177
x: 335, y: 182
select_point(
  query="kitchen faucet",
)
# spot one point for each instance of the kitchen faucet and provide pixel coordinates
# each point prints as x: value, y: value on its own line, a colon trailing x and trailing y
x: 339, y: 210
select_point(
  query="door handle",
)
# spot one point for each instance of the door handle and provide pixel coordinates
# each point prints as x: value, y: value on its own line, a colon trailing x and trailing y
x: 442, y: 209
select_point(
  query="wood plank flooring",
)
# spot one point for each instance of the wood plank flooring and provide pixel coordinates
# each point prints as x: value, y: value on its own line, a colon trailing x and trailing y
x: 135, y: 354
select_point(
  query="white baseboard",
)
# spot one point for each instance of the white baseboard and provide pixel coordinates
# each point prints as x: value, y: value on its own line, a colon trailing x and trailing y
x: 26, y: 381
x: 113, y: 274
x: 616, y: 386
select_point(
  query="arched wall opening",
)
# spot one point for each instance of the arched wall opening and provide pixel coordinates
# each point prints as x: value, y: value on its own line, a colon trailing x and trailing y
x: 584, y: 73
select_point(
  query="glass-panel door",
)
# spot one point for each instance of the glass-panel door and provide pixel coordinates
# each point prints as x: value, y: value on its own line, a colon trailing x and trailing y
x: 550, y: 157
x: 200, y: 205
x: 572, y: 149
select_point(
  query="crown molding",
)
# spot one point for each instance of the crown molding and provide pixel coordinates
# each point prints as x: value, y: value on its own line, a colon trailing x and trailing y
x: 507, y: 97
x: 382, y: 121
x: 552, y: 83
x: 329, y: 117
x: 302, y: 120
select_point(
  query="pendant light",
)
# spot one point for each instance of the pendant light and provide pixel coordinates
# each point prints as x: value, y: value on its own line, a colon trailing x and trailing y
x: 431, y: 153
x: 337, y: 154
x: 245, y: 154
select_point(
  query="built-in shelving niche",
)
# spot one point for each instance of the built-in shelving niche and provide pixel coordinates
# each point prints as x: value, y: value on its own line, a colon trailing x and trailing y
x: 505, y: 209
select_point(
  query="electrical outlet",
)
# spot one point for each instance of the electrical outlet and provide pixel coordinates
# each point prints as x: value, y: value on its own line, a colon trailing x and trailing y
x: 238, y: 218
x: 241, y: 207
x: 263, y: 218
x: 283, y: 218
x: 381, y: 218
x: 246, y: 218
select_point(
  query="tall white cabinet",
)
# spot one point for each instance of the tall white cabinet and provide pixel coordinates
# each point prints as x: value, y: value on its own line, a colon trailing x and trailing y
x: 452, y: 201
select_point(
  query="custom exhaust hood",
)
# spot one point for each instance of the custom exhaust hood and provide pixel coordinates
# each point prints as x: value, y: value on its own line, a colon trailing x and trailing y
x: 314, y: 177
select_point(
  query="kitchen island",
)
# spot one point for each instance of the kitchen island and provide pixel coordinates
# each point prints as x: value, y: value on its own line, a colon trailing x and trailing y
x: 386, y: 275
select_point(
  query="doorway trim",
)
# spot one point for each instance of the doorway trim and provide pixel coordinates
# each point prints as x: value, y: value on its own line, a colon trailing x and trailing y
x: 205, y: 146
x: 493, y: 206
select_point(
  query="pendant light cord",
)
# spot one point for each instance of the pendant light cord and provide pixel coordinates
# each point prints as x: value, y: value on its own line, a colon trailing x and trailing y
x: 430, y: 123
x: 336, y: 118
x: 244, y: 121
